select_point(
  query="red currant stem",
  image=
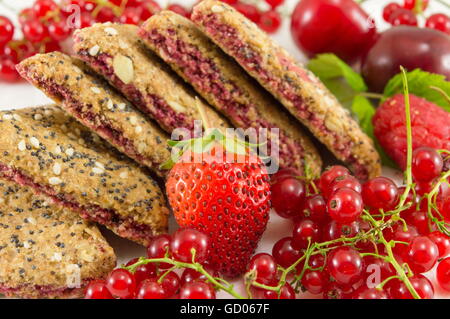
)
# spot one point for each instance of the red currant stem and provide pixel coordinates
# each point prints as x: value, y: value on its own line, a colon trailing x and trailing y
x: 219, y: 283
x: 443, y: 152
x: 384, y: 282
x: 431, y: 200
x: 160, y: 280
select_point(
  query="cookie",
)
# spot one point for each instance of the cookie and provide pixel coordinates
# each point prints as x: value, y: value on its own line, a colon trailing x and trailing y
x: 116, y: 52
x: 46, y: 250
x: 223, y: 83
x: 291, y: 83
x: 49, y: 151
x: 71, y: 84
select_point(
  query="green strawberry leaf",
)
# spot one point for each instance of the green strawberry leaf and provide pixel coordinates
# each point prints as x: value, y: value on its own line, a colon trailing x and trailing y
x: 430, y: 86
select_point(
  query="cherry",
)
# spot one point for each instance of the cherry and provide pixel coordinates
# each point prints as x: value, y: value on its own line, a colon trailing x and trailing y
x: 286, y: 292
x: 328, y: 177
x: 314, y: 281
x: 170, y: 283
x: 440, y: 22
x: 34, y: 31
x: 130, y: 16
x: 143, y: 272
x: 398, y: 290
x: 58, y: 31
x: 265, y: 268
x: 380, y: 193
x: 97, y: 290
x: 284, y: 254
x: 8, y: 71
x: 426, y: 164
x: 288, y: 195
x: 334, y: 230
x: 422, y: 254
x: 179, y: 9
x: 197, y: 290
x: 339, y: 26
x: 270, y: 21
x: 442, y: 241
x: 389, y: 10
x: 121, y: 283
x: 248, y: 10
x: 150, y: 289
x: 345, y: 181
x: 403, y: 17
x: 443, y: 274
x: 345, y: 265
x: 345, y: 205
x: 6, y: 30
x: 369, y: 293
x: 186, y: 240
x: 158, y: 248
x: 305, y: 232
x: 42, y: 7
x: 275, y: 3
x: 315, y: 208
x: 412, y: 4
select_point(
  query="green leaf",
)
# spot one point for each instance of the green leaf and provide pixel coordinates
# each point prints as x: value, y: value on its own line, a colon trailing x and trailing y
x: 430, y: 86
x: 330, y: 69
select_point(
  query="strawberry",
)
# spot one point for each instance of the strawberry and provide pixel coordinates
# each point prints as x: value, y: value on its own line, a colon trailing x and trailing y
x: 429, y: 123
x: 228, y: 200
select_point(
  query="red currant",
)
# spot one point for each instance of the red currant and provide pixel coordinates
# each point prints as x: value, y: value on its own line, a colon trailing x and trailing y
x: 369, y: 293
x: 25, y: 15
x: 121, y: 283
x: 442, y: 241
x: 197, y: 290
x: 270, y: 21
x: 86, y: 20
x: 380, y: 193
x: 345, y: 265
x: 130, y: 16
x: 284, y: 254
x: 440, y: 22
x: 265, y: 268
x: 8, y: 71
x: 179, y: 9
x: 6, y: 30
x: 97, y: 290
x: 412, y: 5
x: 143, y: 272
x: 345, y: 205
x: 286, y: 292
x: 42, y: 7
x: 34, y: 31
x: 58, y: 31
x: 186, y: 240
x: 105, y: 14
x: 305, y: 232
x: 285, y: 172
x: 170, y: 283
x: 150, y: 289
x: 420, y: 221
x: 403, y: 17
x: 398, y: 233
x: 443, y: 274
x: 248, y: 10
x: 314, y: 281
x: 334, y: 291
x: 426, y: 164
x: 275, y: 3
x: 372, y: 265
x: 158, y: 248
x: 315, y: 208
x: 288, y: 196
x: 191, y: 275
x: 345, y: 181
x: 389, y: 10
x: 231, y: 2
x: 334, y: 230
x: 422, y: 254
x: 398, y: 290
x: 330, y: 174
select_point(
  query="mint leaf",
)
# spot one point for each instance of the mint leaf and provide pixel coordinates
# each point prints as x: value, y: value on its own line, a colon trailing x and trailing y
x: 430, y: 86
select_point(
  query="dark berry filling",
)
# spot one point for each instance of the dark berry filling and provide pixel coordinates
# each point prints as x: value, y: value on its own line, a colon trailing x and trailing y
x: 44, y: 290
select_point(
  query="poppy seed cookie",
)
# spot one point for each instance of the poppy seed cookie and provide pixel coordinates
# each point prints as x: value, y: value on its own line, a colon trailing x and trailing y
x: 47, y: 251
x: 70, y: 83
x: 227, y: 87
x: 116, y: 52
x: 49, y: 151
x: 296, y: 87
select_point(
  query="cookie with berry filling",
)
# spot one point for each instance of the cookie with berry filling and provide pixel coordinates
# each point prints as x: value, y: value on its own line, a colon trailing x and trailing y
x: 116, y: 52
x: 49, y: 151
x: 47, y: 251
x: 223, y: 83
x: 70, y: 83
x: 290, y: 82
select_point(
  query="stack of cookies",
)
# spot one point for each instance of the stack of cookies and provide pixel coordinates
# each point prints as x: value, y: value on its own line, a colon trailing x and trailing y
x: 96, y: 157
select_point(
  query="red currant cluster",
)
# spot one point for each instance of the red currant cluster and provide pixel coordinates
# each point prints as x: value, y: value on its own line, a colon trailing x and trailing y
x: 396, y: 14
x: 344, y: 228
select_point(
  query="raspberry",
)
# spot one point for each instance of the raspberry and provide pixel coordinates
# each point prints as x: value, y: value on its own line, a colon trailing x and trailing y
x: 429, y: 126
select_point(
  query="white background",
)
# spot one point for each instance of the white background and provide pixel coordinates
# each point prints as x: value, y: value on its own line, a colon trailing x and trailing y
x: 23, y: 95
